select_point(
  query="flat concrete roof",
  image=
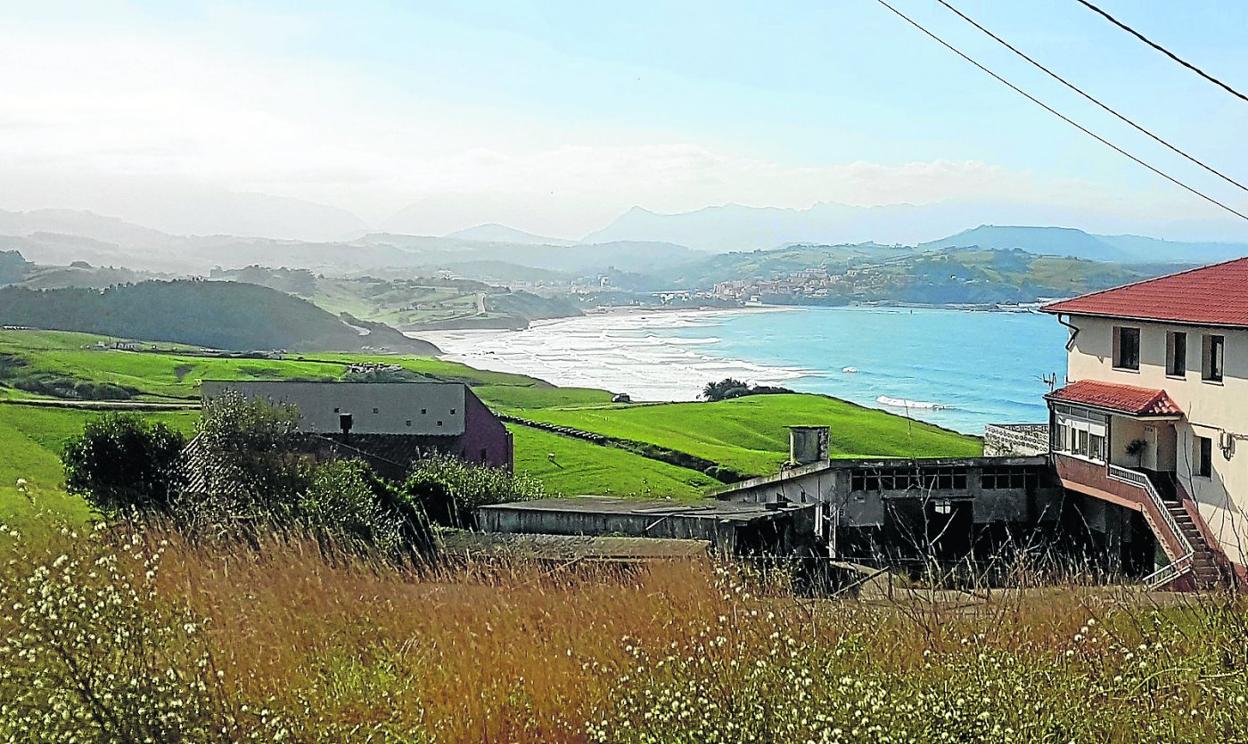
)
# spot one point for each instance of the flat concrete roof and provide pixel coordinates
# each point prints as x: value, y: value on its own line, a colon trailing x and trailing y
x: 614, y: 505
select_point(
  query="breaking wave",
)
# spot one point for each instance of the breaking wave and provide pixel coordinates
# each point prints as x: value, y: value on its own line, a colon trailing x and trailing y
x: 903, y: 403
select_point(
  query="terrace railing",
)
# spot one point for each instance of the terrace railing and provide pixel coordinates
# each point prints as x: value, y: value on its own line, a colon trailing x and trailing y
x: 1016, y: 439
x: 1181, y: 560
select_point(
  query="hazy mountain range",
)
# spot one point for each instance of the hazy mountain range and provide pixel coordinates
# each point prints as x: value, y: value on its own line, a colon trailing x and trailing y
x: 639, y: 242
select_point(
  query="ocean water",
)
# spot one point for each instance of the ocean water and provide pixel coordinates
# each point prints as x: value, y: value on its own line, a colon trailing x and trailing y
x: 959, y: 369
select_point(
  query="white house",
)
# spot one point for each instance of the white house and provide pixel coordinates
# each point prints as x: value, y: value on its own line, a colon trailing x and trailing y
x: 1155, y: 409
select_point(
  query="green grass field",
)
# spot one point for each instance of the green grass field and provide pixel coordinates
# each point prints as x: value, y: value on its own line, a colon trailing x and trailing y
x: 580, y: 468
x: 749, y: 434
x: 31, y: 440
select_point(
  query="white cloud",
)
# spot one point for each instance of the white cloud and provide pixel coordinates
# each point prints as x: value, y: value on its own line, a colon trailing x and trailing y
x: 86, y: 108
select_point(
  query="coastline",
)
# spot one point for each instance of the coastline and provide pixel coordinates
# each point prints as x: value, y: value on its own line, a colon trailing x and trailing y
x: 896, y: 359
x: 617, y: 349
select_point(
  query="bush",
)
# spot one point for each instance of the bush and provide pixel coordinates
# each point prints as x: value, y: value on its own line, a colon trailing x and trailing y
x: 251, y: 470
x: 58, y: 386
x: 121, y: 462
x: 355, y: 509
x: 449, y: 489
x: 729, y: 388
x: 257, y: 477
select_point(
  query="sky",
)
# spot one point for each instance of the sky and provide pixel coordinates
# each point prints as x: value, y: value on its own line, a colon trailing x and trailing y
x: 555, y: 117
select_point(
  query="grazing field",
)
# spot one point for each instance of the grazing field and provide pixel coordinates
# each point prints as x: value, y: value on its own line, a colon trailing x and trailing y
x: 748, y: 434
x: 580, y: 468
x: 170, y: 375
x: 275, y: 644
x: 31, y: 440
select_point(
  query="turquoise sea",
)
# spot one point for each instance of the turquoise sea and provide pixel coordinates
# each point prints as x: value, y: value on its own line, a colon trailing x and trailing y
x: 961, y: 369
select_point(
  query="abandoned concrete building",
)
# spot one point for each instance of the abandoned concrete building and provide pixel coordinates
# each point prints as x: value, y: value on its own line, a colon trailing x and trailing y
x: 389, y: 425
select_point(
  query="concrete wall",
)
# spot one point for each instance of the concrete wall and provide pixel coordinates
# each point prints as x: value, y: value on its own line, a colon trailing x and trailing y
x: 856, y: 507
x: 777, y: 534
x: 426, y: 408
x: 1211, y: 408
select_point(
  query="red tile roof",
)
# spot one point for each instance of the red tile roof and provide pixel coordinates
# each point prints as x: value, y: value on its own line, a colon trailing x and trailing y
x: 1129, y: 399
x: 1214, y: 295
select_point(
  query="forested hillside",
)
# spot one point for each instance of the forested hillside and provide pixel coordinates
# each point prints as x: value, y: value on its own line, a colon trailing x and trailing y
x: 224, y: 315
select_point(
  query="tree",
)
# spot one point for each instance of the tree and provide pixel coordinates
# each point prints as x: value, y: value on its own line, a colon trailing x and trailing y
x: 249, y: 464
x: 121, y: 462
x: 724, y: 389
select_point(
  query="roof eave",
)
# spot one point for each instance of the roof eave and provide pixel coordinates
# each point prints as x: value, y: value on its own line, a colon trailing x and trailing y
x: 1118, y: 411
x: 1142, y: 318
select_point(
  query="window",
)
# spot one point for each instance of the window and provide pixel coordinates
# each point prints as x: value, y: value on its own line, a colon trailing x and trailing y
x: 1096, y: 447
x: 993, y: 478
x: 485, y: 454
x: 1126, y: 347
x: 337, y: 410
x: 423, y: 411
x: 452, y: 411
x: 408, y: 422
x: 439, y: 423
x: 1176, y: 353
x: 1203, y: 456
x: 1081, y: 432
x: 1212, y: 352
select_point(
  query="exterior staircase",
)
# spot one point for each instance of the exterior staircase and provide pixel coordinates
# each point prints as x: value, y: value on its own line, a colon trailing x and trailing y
x: 1205, y: 570
x: 1194, y: 563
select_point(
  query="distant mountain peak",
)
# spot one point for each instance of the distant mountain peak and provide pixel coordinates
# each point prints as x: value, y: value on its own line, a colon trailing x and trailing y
x: 493, y: 232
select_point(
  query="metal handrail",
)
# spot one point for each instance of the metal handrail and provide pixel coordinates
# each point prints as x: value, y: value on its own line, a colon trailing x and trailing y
x: 1166, y: 574
x: 1179, y: 565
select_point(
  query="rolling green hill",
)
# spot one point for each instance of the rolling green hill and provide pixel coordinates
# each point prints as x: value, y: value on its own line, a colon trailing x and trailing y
x: 874, y: 273
x: 749, y: 434
x: 223, y: 315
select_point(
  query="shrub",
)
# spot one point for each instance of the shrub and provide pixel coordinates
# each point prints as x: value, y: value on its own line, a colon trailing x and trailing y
x: 449, y: 489
x: 89, y: 652
x: 121, y: 462
x: 257, y: 478
x: 350, y: 505
x: 250, y: 468
x: 729, y: 388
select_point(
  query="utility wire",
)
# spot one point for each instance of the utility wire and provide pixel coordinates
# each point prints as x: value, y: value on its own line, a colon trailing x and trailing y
x: 1062, y: 116
x: 1162, y: 49
x: 1093, y: 99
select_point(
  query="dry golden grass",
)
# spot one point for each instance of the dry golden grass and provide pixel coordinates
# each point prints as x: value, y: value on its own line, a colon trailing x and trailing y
x: 348, y: 651
x: 472, y: 653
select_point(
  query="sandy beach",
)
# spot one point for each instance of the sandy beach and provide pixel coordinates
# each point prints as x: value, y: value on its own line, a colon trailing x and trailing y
x: 617, y: 350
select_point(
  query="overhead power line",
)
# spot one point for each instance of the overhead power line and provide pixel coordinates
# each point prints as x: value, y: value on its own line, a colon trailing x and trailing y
x: 1162, y: 49
x: 1093, y: 99
x: 1062, y: 116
